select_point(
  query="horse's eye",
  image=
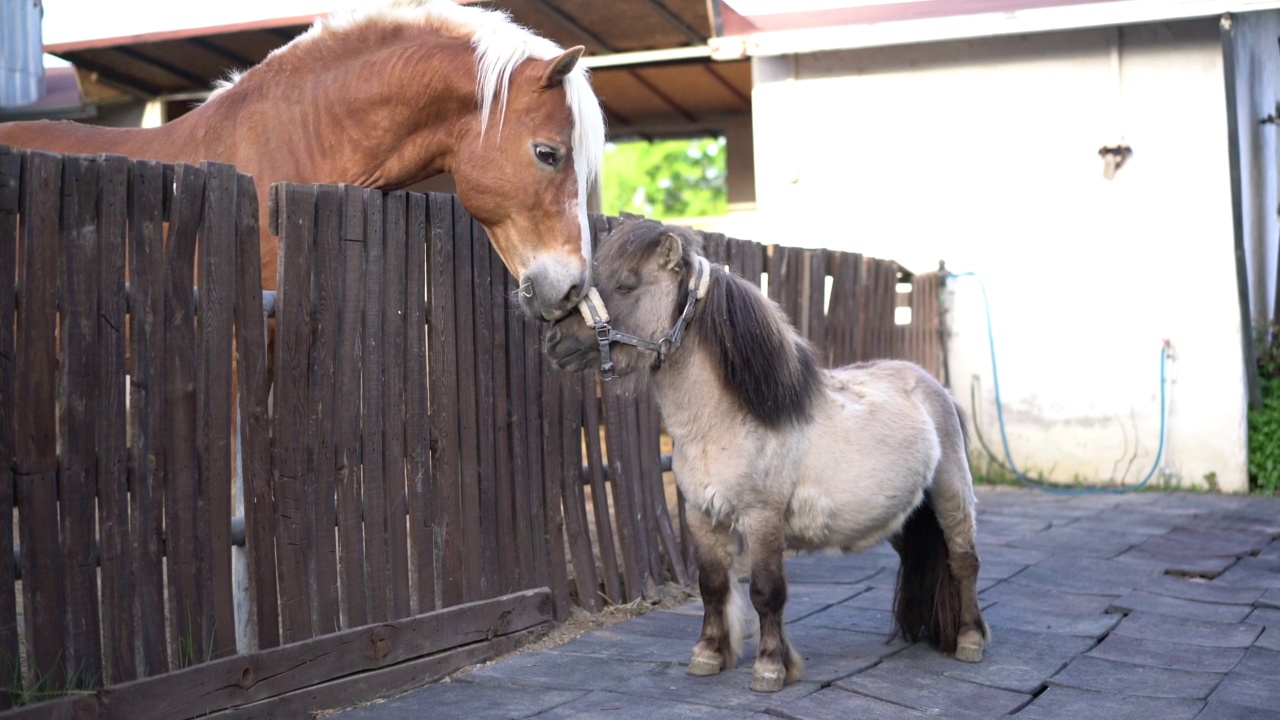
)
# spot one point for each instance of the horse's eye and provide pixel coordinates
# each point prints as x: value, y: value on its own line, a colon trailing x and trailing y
x: 546, y: 155
x: 624, y: 289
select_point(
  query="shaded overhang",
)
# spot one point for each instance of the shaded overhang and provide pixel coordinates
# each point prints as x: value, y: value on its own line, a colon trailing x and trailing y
x: 650, y: 59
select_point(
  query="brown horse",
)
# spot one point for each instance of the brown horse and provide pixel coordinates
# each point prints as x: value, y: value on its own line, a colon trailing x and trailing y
x: 389, y: 97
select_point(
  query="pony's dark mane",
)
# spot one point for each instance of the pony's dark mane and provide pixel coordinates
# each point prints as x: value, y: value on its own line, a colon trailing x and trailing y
x: 769, y: 369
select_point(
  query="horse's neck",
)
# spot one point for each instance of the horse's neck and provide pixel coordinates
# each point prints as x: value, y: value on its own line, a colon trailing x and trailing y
x: 692, y: 397
x: 285, y: 114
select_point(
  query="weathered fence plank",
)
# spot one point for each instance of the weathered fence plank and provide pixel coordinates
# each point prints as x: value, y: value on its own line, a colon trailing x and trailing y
x: 10, y: 177
x: 35, y: 451
x: 599, y: 492
x: 417, y: 432
x: 321, y: 501
x: 115, y: 558
x: 468, y: 413
x: 575, y: 513
x: 240, y: 681
x: 486, y: 428
x: 443, y: 399
x: 77, y: 410
x: 294, y: 218
x: 217, y: 266
x: 348, y: 369
x: 556, y: 423
x: 182, y: 512
x: 503, y: 532
x: 393, y: 339
x: 255, y: 440
x: 522, y: 469
x: 147, y: 411
x: 376, y: 550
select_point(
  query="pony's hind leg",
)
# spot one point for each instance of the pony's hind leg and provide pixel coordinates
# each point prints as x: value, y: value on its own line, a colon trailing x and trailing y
x: 777, y: 663
x: 953, y: 504
x: 723, y: 614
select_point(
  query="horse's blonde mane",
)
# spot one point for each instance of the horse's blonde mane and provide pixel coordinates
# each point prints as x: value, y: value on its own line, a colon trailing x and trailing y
x: 500, y: 45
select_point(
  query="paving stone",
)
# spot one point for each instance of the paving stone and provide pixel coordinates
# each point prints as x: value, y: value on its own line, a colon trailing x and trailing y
x: 562, y: 671
x: 1270, y: 598
x: 832, y: 654
x: 1016, y: 660
x: 1082, y: 541
x: 662, y: 623
x: 726, y: 690
x: 1088, y: 576
x: 876, y: 598
x: 1133, y: 521
x: 1208, y: 566
x: 1201, y: 590
x: 1192, y: 632
x: 1009, y: 553
x: 1013, y: 592
x: 834, y: 702
x: 1269, y: 639
x: 1001, y: 615
x: 609, y: 643
x: 1177, y: 607
x: 623, y: 707
x: 993, y: 571
x: 1260, y: 661
x: 462, y: 699
x: 1194, y: 539
x: 1109, y: 676
x: 1171, y: 655
x: 1254, y: 691
x: 1267, y: 617
x: 1218, y: 710
x: 849, y: 569
x: 1058, y: 703
x: 935, y: 695
x: 848, y: 617
x: 1252, y: 572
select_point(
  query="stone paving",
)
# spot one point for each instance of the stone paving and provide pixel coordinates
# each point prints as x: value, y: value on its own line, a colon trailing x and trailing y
x: 1145, y: 605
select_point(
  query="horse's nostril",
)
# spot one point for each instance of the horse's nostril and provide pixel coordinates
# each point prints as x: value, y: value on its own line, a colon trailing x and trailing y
x: 553, y: 336
x: 572, y: 297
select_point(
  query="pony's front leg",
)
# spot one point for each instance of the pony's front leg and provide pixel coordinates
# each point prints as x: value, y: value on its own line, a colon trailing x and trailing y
x: 722, y: 615
x: 777, y: 663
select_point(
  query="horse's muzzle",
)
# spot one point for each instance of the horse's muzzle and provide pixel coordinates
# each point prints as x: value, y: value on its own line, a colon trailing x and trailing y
x: 550, y: 291
x: 567, y: 350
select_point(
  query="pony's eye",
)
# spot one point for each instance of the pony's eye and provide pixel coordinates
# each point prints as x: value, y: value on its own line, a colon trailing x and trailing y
x: 624, y: 289
x: 546, y: 155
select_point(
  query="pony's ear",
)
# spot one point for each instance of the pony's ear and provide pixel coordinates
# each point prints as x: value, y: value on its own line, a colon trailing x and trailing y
x: 670, y: 251
x: 562, y: 66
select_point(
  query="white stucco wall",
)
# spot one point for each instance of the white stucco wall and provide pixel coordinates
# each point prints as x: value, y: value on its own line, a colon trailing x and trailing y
x: 984, y: 153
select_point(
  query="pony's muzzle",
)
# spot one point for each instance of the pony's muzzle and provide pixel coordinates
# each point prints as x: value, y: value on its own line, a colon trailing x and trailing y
x: 549, y: 291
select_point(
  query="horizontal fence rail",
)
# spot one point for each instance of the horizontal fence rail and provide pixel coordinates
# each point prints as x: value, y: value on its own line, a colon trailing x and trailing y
x: 201, y: 473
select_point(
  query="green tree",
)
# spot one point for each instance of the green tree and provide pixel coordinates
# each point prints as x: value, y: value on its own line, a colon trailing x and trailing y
x: 665, y: 179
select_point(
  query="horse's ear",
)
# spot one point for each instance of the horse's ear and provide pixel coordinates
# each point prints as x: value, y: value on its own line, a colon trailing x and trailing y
x: 562, y: 66
x: 670, y: 251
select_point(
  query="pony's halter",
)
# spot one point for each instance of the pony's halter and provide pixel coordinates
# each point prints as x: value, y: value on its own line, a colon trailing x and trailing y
x: 597, y: 316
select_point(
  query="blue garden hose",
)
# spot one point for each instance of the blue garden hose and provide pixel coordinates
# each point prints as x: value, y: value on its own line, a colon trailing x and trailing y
x: 1004, y: 438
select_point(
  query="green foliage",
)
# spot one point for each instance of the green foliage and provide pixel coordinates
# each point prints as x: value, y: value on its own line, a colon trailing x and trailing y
x: 665, y: 179
x: 1264, y: 424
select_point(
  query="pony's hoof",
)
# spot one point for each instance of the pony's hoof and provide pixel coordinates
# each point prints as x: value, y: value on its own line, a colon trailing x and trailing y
x: 969, y: 653
x: 768, y: 682
x: 700, y: 666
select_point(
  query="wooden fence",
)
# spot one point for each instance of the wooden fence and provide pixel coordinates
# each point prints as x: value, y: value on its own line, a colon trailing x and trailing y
x: 418, y: 477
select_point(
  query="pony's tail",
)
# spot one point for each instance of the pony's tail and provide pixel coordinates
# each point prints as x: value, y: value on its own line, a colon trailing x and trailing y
x: 926, y: 602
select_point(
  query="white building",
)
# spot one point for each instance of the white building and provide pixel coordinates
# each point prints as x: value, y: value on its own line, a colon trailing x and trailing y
x: 941, y: 133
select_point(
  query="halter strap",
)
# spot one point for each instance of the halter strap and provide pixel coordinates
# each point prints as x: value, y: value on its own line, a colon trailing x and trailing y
x: 596, y: 316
